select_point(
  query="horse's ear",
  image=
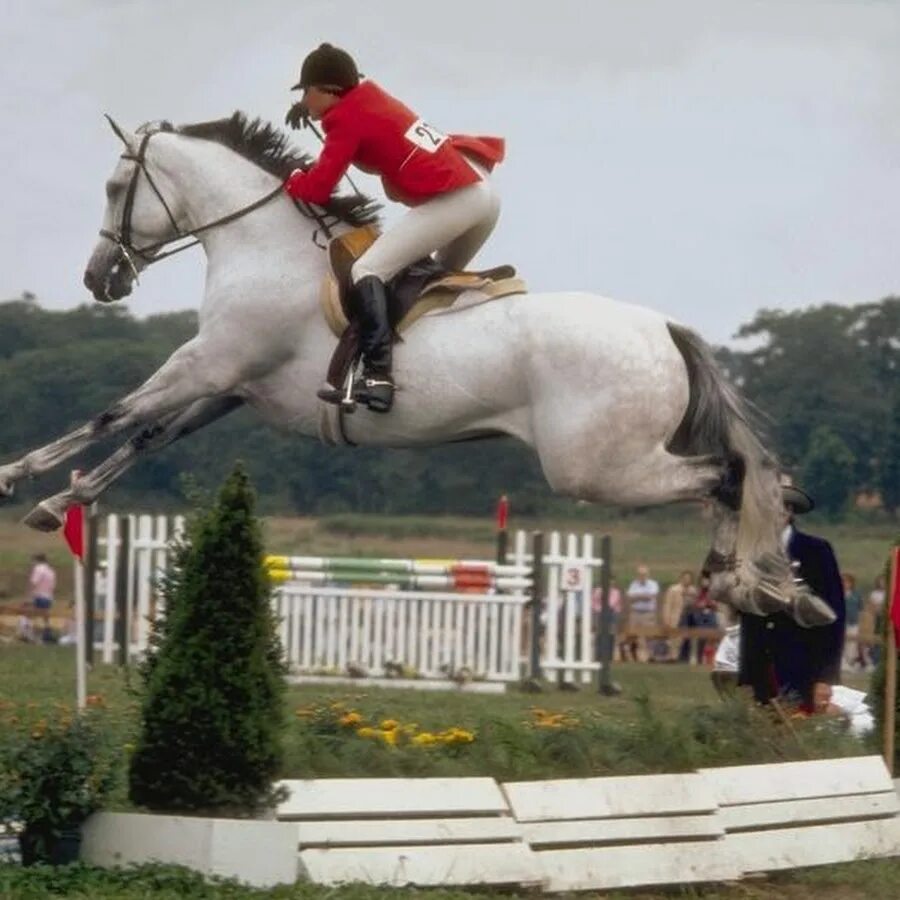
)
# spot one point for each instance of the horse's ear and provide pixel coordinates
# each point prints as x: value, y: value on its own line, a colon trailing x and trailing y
x: 117, y: 130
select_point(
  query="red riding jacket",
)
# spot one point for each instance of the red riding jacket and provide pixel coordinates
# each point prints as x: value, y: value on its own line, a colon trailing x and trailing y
x: 369, y: 128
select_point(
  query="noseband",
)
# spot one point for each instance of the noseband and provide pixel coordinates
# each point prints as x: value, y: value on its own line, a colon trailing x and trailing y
x: 149, y: 252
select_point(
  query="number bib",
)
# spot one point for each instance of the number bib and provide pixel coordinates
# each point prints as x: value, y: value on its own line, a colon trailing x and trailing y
x: 426, y: 137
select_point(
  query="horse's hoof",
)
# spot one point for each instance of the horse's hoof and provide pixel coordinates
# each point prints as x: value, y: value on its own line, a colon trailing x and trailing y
x: 7, y: 485
x: 810, y: 611
x: 42, y: 518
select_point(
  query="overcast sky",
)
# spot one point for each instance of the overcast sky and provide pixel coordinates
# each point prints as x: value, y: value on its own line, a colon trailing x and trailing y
x: 705, y: 159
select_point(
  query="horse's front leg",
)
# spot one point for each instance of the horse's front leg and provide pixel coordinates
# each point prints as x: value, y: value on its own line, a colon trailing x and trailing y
x: 48, y: 514
x: 759, y: 587
x: 191, y: 373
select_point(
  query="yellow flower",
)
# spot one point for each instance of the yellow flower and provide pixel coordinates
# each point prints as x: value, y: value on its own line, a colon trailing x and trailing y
x: 389, y: 737
x: 350, y: 719
x: 367, y: 732
x: 390, y: 724
x: 425, y: 739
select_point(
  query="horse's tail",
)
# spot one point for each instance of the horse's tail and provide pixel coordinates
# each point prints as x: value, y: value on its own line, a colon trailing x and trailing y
x: 718, y: 421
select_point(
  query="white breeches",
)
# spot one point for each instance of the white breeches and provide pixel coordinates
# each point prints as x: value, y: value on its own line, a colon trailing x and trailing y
x: 453, y: 226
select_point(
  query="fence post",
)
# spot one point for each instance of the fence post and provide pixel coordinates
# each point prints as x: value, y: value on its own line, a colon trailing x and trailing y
x: 123, y: 626
x: 537, y: 594
x: 605, y: 636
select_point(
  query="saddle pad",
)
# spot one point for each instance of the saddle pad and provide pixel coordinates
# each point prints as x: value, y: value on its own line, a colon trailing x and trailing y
x: 439, y: 294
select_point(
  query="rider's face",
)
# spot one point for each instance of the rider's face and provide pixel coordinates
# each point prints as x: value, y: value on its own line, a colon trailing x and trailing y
x: 318, y: 102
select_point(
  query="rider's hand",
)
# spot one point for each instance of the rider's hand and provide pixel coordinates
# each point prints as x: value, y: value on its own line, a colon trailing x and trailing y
x: 297, y: 116
x: 293, y: 181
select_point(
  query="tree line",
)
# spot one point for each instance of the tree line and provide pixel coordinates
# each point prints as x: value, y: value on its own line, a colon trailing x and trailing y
x: 826, y: 381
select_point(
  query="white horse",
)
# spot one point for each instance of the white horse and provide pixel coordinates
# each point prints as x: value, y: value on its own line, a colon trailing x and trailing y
x: 620, y: 404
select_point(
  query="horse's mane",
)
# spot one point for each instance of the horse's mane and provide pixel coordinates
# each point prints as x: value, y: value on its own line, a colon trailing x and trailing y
x: 264, y: 144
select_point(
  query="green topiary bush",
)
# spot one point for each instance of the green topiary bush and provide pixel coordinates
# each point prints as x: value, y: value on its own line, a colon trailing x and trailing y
x: 213, y: 683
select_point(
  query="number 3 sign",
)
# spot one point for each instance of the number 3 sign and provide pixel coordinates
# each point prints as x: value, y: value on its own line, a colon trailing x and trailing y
x: 573, y: 578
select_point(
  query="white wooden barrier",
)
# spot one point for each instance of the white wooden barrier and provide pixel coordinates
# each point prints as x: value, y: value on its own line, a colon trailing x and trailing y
x: 436, y: 634
x: 607, y: 833
x: 414, y: 831
x: 796, y: 814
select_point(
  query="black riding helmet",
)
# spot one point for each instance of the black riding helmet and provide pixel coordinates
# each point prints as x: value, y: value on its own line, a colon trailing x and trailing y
x: 328, y: 66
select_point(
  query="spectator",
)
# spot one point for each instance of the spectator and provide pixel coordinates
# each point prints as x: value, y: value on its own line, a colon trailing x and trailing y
x: 43, y: 585
x: 677, y: 598
x: 642, y: 596
x: 701, y: 613
x: 853, y: 604
x: 779, y: 658
x: 870, y: 625
x: 615, y: 609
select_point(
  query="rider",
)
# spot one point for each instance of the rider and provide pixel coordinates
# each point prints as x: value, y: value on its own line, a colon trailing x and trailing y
x: 443, y: 178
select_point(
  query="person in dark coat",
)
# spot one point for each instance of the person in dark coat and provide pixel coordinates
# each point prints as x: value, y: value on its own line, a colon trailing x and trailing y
x: 780, y: 658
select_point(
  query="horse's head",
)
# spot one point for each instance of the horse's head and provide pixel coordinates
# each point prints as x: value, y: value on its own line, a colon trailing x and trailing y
x: 141, y: 215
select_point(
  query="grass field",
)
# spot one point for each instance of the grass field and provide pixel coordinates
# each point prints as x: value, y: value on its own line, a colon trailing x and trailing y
x: 668, y: 718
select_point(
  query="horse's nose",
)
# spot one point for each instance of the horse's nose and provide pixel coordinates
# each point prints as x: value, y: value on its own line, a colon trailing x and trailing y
x: 90, y: 281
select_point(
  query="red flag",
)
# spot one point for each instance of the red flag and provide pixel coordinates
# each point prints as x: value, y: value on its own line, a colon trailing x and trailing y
x: 73, y: 530
x: 894, y: 593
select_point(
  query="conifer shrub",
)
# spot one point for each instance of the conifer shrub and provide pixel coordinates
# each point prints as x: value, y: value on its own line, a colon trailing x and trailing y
x: 212, y: 699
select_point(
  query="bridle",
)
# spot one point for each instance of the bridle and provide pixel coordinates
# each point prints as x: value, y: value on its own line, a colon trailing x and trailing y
x: 149, y: 253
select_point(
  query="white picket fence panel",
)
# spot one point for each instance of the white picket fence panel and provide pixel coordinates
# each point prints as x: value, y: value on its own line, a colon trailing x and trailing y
x: 325, y: 628
x: 571, y: 572
x: 148, y: 553
x: 434, y: 633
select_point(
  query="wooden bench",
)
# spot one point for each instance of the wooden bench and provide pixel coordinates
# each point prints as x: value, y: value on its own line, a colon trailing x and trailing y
x: 607, y: 833
x: 416, y: 831
x: 790, y: 815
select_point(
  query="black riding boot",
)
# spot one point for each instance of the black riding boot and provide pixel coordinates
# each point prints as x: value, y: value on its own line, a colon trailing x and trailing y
x: 376, y: 387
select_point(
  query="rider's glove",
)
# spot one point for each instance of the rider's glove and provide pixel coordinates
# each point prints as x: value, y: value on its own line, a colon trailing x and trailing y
x: 297, y: 116
x: 293, y: 181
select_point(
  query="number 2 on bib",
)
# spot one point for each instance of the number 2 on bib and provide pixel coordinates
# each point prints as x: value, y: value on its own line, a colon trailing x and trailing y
x: 426, y: 137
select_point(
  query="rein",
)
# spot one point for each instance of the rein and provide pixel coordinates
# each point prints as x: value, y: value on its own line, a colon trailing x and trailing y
x: 148, y: 253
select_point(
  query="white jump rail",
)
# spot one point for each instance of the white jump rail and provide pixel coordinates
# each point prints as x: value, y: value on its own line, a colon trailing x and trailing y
x: 796, y: 814
x: 608, y: 833
x: 417, y: 831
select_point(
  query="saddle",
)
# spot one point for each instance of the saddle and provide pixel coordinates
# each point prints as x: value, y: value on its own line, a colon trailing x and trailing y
x: 421, y: 288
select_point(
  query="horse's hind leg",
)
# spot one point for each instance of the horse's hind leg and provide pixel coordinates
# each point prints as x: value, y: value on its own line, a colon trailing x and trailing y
x: 188, y: 375
x: 644, y: 479
x: 48, y: 514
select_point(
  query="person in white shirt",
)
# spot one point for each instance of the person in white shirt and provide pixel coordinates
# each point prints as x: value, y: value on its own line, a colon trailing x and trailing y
x: 642, y: 596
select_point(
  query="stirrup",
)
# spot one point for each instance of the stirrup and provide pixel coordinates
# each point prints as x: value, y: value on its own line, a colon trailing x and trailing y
x: 375, y: 392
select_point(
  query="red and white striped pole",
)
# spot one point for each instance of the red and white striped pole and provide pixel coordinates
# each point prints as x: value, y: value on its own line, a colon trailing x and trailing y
x: 73, y: 531
x: 892, y: 633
